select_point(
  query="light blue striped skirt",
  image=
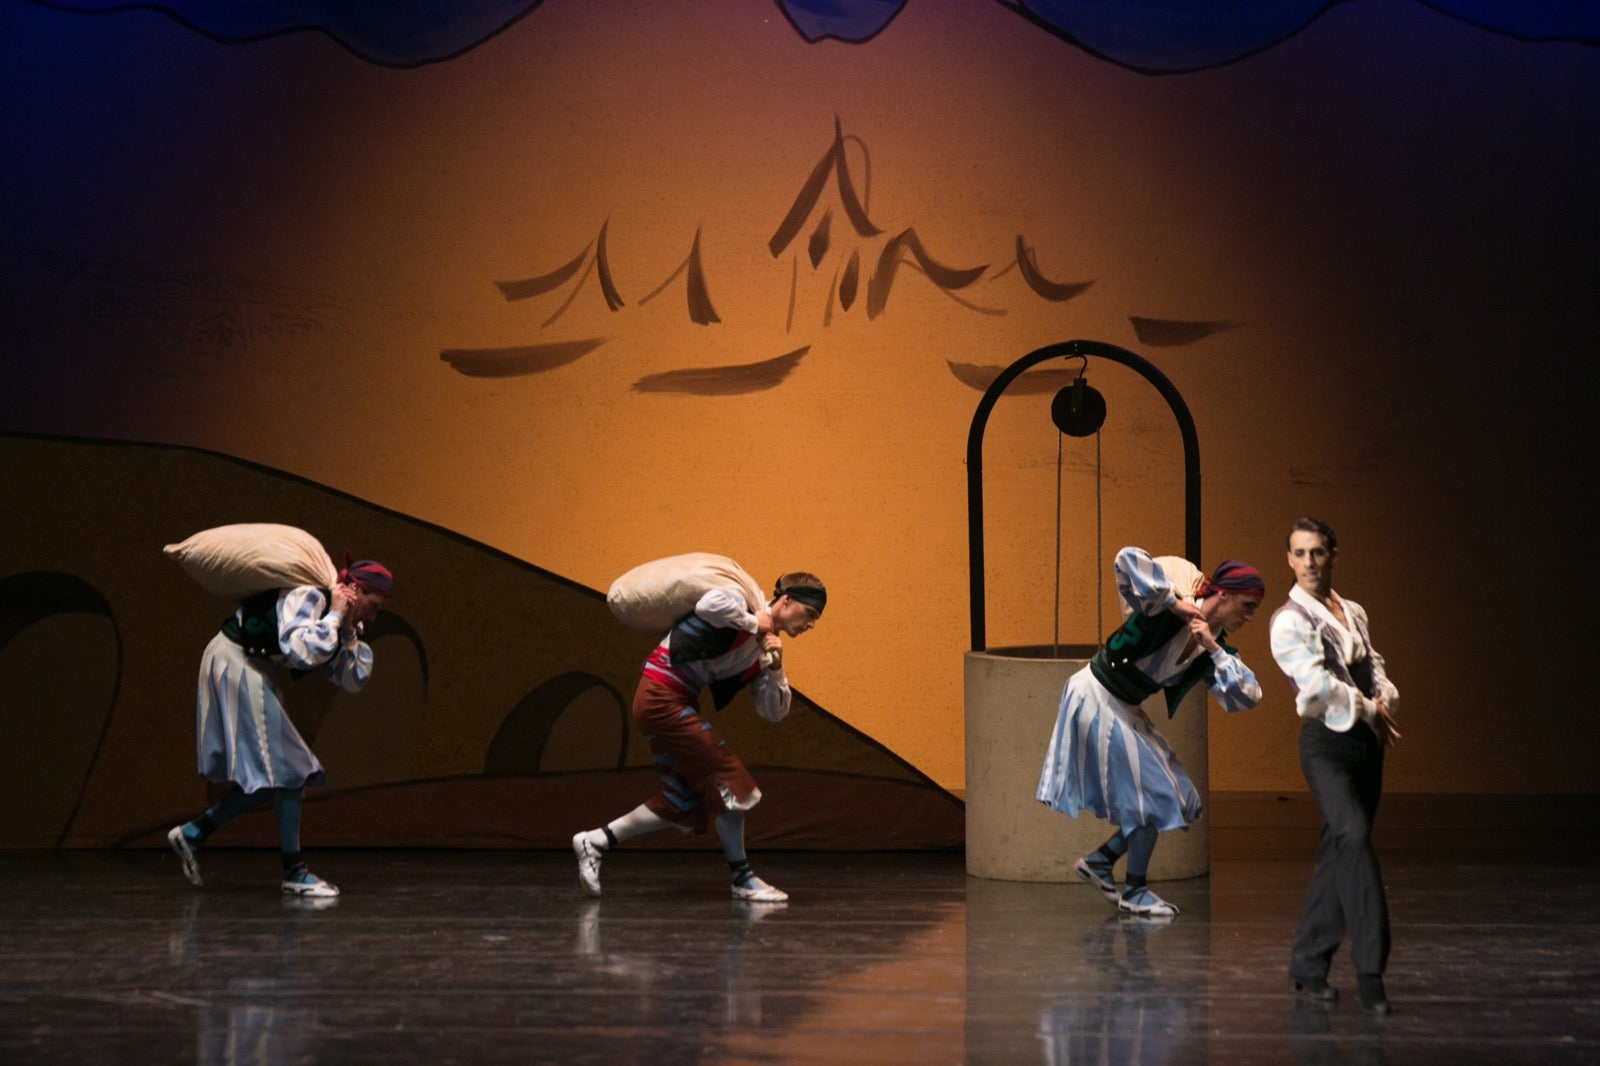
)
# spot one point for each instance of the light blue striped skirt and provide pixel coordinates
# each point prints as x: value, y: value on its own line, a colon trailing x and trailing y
x: 242, y: 732
x: 1106, y: 758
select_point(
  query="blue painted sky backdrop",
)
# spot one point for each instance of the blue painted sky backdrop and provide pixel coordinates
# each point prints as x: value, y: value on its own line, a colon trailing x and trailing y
x: 1155, y: 36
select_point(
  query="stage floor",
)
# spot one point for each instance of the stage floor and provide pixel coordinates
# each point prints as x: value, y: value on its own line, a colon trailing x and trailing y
x: 472, y: 957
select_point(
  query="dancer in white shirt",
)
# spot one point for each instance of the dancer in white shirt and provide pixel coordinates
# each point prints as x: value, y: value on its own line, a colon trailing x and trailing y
x: 1321, y: 641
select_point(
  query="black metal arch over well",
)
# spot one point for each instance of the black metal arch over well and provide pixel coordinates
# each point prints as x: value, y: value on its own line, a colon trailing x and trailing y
x: 980, y: 421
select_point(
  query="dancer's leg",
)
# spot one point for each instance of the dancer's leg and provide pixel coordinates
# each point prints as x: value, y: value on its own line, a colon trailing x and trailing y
x: 746, y: 885
x: 1136, y: 895
x: 1096, y: 868
x: 186, y: 839
x: 297, y: 880
x: 591, y: 845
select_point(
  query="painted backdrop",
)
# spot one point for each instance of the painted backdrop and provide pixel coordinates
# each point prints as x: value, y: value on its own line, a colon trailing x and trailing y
x: 587, y: 283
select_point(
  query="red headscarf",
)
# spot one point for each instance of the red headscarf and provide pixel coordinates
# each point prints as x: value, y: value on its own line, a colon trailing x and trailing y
x: 370, y: 575
x: 1232, y: 576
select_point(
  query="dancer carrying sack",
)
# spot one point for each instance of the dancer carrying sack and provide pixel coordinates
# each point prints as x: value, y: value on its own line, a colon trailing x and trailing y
x: 720, y: 644
x: 1104, y: 755
x: 244, y: 737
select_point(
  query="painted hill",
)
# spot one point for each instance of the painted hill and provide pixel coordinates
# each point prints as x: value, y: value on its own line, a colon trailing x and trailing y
x: 497, y: 714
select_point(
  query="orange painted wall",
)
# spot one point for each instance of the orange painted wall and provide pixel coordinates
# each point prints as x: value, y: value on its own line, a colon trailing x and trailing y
x: 262, y: 249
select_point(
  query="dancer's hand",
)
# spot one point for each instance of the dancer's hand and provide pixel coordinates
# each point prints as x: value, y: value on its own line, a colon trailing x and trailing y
x: 343, y: 599
x: 1200, y: 630
x: 1185, y: 609
x: 771, y: 651
x: 1388, y: 732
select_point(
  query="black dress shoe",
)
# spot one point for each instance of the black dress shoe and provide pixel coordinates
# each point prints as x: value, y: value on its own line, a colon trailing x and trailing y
x: 1370, y: 988
x: 1315, y: 987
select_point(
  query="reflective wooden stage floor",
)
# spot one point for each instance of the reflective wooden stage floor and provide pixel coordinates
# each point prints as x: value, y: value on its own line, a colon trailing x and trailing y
x: 467, y: 957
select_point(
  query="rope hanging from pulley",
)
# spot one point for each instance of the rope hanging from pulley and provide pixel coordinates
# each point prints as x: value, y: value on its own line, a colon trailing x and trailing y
x: 1078, y: 410
x: 1078, y: 420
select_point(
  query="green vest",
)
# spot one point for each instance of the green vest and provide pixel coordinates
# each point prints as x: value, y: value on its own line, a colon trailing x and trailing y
x: 255, y: 626
x: 1141, y: 635
x: 257, y: 630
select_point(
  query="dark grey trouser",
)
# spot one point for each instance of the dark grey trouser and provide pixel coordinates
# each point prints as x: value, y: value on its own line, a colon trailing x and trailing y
x: 1345, y: 772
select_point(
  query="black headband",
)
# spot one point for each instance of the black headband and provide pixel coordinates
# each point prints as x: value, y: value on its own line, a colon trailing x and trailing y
x: 813, y: 596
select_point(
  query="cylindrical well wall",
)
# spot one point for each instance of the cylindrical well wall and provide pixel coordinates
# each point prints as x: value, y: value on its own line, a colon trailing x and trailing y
x: 1012, y: 696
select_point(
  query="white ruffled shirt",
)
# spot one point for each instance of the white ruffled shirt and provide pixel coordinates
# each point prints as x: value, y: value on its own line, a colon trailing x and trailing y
x: 1300, y: 649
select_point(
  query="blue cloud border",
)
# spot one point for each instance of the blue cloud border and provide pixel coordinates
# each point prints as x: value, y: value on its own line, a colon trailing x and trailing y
x: 1148, y: 36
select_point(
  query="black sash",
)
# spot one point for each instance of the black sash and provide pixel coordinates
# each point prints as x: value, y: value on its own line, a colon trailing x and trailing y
x: 1361, y: 675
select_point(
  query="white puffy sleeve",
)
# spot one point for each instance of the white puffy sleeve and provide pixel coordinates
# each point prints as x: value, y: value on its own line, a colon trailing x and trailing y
x: 1380, y: 676
x: 1297, y: 649
x: 1141, y: 582
x: 1234, y: 686
x: 308, y: 639
x: 726, y: 608
x: 771, y: 692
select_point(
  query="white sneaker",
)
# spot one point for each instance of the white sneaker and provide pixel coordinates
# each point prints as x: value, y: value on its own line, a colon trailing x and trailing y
x: 309, y: 903
x: 1145, y: 903
x: 589, y: 858
x: 188, y: 854
x: 308, y: 885
x: 1100, y: 876
x: 758, y: 891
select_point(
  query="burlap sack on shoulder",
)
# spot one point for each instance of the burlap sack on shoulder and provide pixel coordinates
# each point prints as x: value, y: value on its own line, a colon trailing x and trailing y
x: 1184, y: 575
x: 237, y: 561
x: 654, y: 595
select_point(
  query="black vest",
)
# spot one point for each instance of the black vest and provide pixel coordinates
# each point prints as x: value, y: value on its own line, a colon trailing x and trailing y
x: 693, y: 638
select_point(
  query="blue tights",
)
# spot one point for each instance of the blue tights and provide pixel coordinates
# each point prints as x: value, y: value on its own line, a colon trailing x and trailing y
x: 286, y: 802
x: 1138, y: 845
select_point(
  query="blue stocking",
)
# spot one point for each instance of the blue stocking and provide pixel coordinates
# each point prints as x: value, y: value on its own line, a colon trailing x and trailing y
x: 235, y: 803
x: 1141, y: 845
x: 286, y: 802
x: 730, y: 828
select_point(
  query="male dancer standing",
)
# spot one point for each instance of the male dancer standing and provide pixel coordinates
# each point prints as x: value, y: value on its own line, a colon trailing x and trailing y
x: 1320, y: 641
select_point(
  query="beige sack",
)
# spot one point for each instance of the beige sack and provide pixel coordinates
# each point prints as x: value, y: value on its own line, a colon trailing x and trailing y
x: 239, y: 560
x: 654, y: 595
x: 1184, y: 575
